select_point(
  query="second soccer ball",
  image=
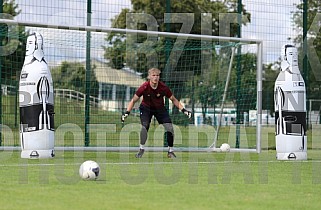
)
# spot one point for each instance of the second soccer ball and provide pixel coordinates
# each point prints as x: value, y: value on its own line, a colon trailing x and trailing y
x: 225, y: 147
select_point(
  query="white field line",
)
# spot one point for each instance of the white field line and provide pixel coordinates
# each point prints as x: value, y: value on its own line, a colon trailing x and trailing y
x: 158, y: 163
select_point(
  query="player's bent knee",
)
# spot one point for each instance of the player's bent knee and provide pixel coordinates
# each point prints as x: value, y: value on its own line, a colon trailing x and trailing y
x: 169, y: 127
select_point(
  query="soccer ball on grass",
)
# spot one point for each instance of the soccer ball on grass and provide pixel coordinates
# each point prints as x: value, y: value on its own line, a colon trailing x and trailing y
x: 225, y: 147
x: 89, y: 170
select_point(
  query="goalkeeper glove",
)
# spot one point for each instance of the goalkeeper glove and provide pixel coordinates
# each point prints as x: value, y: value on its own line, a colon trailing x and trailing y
x: 123, y: 117
x: 188, y: 113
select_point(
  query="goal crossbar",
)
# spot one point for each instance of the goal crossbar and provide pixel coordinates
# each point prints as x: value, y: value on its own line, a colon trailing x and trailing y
x: 129, y: 31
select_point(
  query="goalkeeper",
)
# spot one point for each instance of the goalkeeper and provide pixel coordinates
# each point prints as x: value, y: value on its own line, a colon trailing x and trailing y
x: 153, y: 92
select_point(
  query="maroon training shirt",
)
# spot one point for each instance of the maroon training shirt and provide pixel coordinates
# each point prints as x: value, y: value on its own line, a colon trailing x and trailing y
x: 153, y: 98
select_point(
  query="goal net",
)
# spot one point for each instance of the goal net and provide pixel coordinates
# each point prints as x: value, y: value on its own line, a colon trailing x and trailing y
x: 314, y: 112
x: 96, y: 71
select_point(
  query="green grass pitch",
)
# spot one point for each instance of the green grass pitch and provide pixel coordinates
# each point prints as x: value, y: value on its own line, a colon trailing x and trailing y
x: 196, y: 180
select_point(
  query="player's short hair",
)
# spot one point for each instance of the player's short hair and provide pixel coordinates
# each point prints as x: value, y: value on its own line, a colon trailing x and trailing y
x: 152, y: 70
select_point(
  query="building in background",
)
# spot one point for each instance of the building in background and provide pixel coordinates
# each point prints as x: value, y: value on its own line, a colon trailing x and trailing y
x: 116, y: 86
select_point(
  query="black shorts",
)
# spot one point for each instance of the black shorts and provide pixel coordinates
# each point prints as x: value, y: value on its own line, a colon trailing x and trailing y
x: 146, y: 115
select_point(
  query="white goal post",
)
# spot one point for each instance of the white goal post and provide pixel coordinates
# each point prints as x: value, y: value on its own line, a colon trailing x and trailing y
x: 182, y: 36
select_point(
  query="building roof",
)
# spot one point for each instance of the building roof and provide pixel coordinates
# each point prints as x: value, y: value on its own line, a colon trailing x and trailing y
x: 106, y: 74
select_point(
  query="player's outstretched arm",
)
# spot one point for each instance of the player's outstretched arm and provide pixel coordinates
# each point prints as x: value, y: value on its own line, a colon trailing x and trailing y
x: 180, y: 106
x: 129, y: 107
